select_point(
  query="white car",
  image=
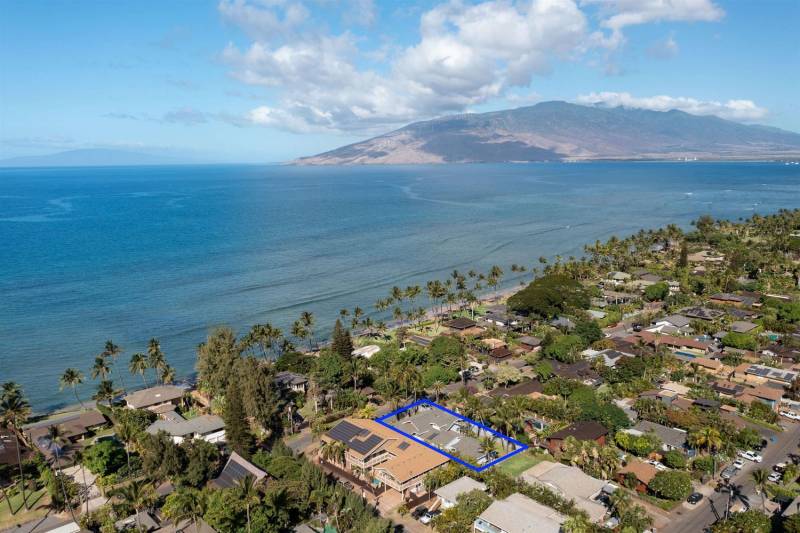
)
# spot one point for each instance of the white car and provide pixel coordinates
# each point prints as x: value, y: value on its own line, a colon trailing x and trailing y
x: 791, y: 415
x: 775, y: 477
x: 738, y: 464
x: 660, y: 467
x: 750, y: 455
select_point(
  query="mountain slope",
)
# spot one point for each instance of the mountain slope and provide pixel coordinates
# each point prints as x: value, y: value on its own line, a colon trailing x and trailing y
x: 558, y: 130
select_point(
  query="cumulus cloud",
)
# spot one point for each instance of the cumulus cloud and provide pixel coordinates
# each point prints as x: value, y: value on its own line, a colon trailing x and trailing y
x: 739, y: 110
x: 619, y: 14
x: 467, y: 54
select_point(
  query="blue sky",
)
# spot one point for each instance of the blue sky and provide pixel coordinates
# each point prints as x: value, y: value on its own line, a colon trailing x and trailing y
x: 270, y: 80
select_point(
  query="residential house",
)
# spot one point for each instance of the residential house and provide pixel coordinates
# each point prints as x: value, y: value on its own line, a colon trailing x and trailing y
x: 420, y: 340
x: 532, y: 344
x: 492, y: 343
x: 738, y: 300
x: 643, y: 473
x: 563, y: 322
x: 463, y: 327
x: 762, y: 374
x: 500, y: 315
x: 74, y: 427
x: 618, y: 298
x: 580, y: 370
x: 572, y: 484
x: 292, y: 381
x: 141, y: 521
x: 671, y: 438
x: 618, y: 278
x: 764, y: 393
x: 531, y: 388
x: 742, y: 326
x: 236, y: 469
x: 586, y: 430
x: 209, y: 428
x: 499, y: 354
x: 443, y: 431
x: 386, y: 456
x: 187, y: 526
x: 670, y: 341
x: 706, y: 256
x: 679, y: 322
x: 157, y: 399
x: 702, y: 313
x: 610, y: 357
x: 448, y: 494
x: 727, y: 389
x: 366, y: 351
x: 518, y: 514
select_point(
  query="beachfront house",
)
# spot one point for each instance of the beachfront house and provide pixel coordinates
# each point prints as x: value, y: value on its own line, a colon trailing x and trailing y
x: 159, y: 399
x: 292, y: 381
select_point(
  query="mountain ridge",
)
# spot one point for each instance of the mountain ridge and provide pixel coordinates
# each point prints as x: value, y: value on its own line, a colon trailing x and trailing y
x: 562, y: 131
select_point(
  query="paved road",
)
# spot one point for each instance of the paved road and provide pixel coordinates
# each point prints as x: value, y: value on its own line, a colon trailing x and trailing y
x: 692, y: 519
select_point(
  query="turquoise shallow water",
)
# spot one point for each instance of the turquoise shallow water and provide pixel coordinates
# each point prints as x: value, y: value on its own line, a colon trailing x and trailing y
x: 130, y: 253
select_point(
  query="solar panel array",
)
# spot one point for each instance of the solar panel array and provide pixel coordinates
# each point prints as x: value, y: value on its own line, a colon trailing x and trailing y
x: 358, y: 439
x: 231, y: 475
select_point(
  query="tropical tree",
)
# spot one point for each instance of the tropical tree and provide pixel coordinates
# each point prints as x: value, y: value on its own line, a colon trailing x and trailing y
x: 707, y: 438
x: 105, y: 392
x: 127, y: 433
x: 14, y: 411
x: 138, y: 493
x: 72, y: 378
x: 308, y: 321
x: 760, y: 479
x: 113, y: 351
x: 185, y: 504
x: 100, y: 369
x: 139, y: 365
x: 577, y: 523
x: 248, y: 493
x: 155, y: 357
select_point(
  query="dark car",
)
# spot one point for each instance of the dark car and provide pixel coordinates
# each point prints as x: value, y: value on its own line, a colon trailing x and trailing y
x: 346, y: 484
x: 418, y: 512
x: 694, y: 498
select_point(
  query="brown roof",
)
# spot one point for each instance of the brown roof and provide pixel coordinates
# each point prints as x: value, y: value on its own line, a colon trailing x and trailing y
x: 69, y: 426
x: 643, y: 471
x: 588, y: 430
x: 501, y: 353
x: 711, y: 364
x: 668, y: 340
x: 766, y: 393
x: 682, y: 403
x: 523, y: 389
x: 461, y: 323
x: 154, y: 396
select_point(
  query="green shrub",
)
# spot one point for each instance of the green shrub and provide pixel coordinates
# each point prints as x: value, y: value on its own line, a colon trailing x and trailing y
x: 672, y: 485
x: 675, y: 459
x: 105, y: 457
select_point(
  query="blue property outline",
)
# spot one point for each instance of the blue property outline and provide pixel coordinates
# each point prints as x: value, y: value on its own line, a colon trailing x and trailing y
x: 520, y: 446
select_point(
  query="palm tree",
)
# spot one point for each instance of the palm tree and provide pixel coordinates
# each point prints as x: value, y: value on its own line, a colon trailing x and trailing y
x: 139, y: 365
x: 167, y: 374
x: 105, y: 392
x: 113, y: 351
x: 760, y: 478
x: 100, y: 368
x: 620, y: 502
x: 249, y: 494
x: 308, y: 321
x: 706, y: 437
x: 72, y: 378
x: 300, y: 332
x: 14, y: 411
x: 78, y: 457
x: 577, y: 524
x: 155, y: 355
x: 126, y: 432
x: 186, y: 504
x: 138, y: 493
x: 437, y: 387
x: 55, y: 445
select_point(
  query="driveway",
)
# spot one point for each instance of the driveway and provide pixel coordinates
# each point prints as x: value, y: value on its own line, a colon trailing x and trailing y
x: 692, y: 518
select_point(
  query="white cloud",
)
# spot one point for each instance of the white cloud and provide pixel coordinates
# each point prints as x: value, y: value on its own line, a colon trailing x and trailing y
x: 467, y: 54
x: 619, y: 14
x: 739, y: 110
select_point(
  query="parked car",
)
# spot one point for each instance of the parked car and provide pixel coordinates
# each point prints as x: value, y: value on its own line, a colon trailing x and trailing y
x: 418, y: 512
x: 738, y: 464
x: 791, y: 415
x: 775, y: 477
x: 660, y: 467
x: 694, y: 498
x: 729, y: 472
x: 780, y: 467
x: 346, y: 484
x: 750, y: 455
x: 428, y: 517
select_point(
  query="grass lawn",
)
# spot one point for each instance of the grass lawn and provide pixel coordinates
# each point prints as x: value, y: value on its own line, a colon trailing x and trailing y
x: 38, y: 501
x: 520, y: 463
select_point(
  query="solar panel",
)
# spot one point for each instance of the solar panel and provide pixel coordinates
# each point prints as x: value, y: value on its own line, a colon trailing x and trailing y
x: 345, y: 431
x: 363, y: 446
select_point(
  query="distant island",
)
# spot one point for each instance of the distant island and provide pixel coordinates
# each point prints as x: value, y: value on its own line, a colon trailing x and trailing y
x: 89, y: 157
x: 561, y: 131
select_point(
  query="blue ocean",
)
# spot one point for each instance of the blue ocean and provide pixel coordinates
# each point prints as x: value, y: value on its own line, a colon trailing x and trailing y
x: 130, y: 253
